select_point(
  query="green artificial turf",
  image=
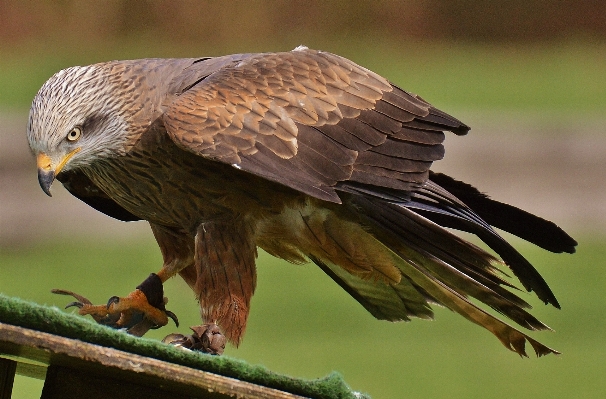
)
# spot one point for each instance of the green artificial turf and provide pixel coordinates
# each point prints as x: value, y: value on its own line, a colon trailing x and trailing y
x: 51, y: 320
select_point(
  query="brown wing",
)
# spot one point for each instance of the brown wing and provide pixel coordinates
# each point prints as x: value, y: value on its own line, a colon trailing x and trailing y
x: 313, y: 121
x: 85, y: 190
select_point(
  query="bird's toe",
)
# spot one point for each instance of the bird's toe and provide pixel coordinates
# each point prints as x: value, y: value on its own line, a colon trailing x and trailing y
x: 206, y: 338
x: 138, y: 312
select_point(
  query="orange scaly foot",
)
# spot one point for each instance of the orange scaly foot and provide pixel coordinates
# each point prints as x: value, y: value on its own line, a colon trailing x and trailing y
x: 138, y: 312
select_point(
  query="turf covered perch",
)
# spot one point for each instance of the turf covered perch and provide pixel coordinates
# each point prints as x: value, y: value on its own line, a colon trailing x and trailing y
x: 105, y: 363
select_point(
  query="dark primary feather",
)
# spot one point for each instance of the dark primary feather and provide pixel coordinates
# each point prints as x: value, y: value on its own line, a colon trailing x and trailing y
x: 523, y: 224
x: 442, y: 207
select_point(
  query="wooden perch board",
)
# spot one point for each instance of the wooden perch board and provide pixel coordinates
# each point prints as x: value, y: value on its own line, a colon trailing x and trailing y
x: 76, y: 369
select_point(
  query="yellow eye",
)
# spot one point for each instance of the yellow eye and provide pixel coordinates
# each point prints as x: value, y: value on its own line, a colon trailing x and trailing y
x: 74, y: 134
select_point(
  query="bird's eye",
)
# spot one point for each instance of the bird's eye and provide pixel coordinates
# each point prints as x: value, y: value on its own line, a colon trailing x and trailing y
x: 74, y: 134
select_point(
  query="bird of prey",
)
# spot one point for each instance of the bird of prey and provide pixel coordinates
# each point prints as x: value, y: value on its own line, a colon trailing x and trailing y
x: 304, y: 154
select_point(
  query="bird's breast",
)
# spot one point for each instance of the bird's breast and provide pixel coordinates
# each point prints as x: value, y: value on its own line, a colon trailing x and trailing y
x: 167, y: 186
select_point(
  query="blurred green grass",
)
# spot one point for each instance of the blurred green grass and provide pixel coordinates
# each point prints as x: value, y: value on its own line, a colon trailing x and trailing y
x: 565, y: 78
x: 304, y: 325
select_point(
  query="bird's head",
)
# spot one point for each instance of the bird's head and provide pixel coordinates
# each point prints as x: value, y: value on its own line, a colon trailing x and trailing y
x: 79, y: 117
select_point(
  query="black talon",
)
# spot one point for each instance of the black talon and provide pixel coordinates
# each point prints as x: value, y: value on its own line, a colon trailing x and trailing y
x: 77, y: 304
x: 172, y: 316
x: 112, y: 301
x: 108, y: 320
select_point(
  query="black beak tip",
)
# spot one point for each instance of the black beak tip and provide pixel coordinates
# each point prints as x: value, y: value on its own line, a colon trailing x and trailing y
x: 46, y: 179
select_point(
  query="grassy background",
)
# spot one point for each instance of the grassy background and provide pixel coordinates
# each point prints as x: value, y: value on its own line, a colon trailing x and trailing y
x: 304, y: 325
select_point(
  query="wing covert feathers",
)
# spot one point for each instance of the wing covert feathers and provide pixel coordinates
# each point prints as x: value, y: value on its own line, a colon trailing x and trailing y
x: 310, y: 120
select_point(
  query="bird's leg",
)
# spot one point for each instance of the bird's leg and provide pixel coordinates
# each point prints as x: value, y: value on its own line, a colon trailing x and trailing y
x: 223, y: 277
x: 225, y: 254
x: 144, y: 308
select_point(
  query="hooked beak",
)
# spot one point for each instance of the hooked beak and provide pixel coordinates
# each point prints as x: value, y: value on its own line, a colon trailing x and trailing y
x: 46, y: 172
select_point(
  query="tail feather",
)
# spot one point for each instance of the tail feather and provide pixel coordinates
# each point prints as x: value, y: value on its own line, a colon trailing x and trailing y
x: 525, y: 225
x: 510, y: 337
x: 449, y: 270
x: 447, y: 210
x: 392, y: 302
x: 420, y: 239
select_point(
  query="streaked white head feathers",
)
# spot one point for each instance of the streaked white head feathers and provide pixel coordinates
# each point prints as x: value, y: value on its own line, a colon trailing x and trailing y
x: 77, y: 98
